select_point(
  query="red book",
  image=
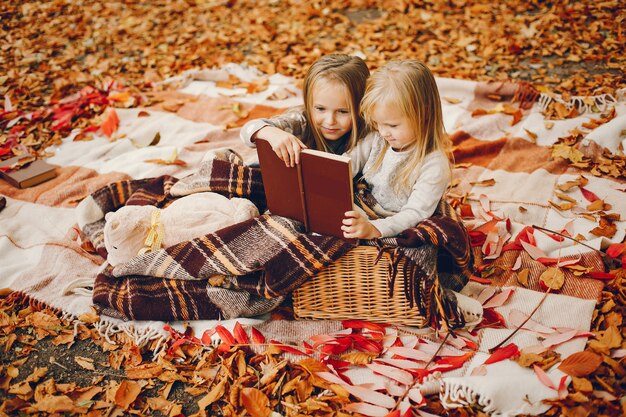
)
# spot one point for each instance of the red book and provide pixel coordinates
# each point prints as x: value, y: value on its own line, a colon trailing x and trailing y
x: 316, y: 192
x: 23, y: 174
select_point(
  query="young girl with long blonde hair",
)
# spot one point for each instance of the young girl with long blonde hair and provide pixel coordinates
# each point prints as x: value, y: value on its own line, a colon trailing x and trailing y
x: 329, y: 120
x: 405, y: 162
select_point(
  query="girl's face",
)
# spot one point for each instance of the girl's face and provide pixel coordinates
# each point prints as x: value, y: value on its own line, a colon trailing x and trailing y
x: 330, y: 112
x: 395, y: 128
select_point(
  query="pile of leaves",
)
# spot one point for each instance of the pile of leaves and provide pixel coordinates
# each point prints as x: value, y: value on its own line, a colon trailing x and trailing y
x: 58, y: 49
x: 226, y: 373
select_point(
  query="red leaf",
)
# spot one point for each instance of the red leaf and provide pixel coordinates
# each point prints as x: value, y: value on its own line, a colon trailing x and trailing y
x: 366, y: 345
x: 370, y: 396
x: 287, y: 348
x: 225, y: 335
x: 453, y: 362
x: 616, y: 249
x: 544, y: 378
x: 336, y: 364
x: 257, y: 336
x: 172, y: 350
x: 206, y: 336
x: 4, y: 151
x: 240, y: 334
x: 362, y: 324
x: 110, y: 123
x: 394, y: 413
x: 396, y: 374
x: 503, y: 353
x: 367, y: 409
x: 589, y: 196
x: 605, y: 276
x: 492, y: 319
x: 476, y: 238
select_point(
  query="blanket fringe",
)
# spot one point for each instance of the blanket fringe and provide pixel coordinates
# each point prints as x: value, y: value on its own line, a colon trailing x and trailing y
x: 106, y: 328
x: 581, y: 103
x: 456, y: 395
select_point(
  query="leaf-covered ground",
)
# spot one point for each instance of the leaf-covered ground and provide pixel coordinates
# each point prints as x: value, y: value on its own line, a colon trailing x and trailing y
x: 50, y: 50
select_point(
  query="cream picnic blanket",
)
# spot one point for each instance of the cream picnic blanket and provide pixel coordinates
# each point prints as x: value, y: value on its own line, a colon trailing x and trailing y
x: 504, y: 171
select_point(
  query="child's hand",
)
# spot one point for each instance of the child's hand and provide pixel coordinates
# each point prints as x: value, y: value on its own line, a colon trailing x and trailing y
x: 286, y: 145
x: 357, y: 226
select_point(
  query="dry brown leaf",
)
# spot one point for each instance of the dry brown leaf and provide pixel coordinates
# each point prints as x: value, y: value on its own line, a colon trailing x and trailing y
x: 596, y: 205
x: 255, y: 402
x: 86, y: 363
x: 581, y: 363
x: 126, y: 393
x: 178, y: 162
x: 484, y: 183
x: 582, y: 384
x: 562, y: 206
x: 214, y: 395
x: 611, y: 337
x: 57, y: 404
x: 144, y: 371
x: 531, y: 135
x: 606, y: 228
x: 565, y: 197
x: 91, y: 317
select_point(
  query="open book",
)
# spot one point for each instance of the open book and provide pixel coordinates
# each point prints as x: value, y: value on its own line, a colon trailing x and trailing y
x: 316, y: 192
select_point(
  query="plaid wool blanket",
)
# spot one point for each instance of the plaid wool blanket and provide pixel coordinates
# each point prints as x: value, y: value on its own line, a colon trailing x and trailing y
x: 258, y: 261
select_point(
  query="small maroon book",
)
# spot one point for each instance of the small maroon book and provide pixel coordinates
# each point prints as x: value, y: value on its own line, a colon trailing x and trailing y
x: 27, y: 175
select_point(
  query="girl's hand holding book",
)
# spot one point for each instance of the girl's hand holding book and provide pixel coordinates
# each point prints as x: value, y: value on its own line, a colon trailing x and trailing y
x: 286, y: 145
x: 356, y: 226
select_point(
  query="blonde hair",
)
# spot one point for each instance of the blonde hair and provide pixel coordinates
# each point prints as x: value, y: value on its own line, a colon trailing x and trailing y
x: 409, y: 87
x: 351, y: 72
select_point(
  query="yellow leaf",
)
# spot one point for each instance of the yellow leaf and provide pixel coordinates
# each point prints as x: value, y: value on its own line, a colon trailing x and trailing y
x: 565, y: 197
x: 552, y: 278
x: 242, y: 114
x: 562, y: 206
x: 596, y: 205
x: 359, y: 358
x: 452, y: 100
x: 522, y: 277
x: 611, y: 337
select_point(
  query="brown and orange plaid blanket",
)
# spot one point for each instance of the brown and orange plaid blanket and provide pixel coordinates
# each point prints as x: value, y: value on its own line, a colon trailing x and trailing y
x: 260, y: 260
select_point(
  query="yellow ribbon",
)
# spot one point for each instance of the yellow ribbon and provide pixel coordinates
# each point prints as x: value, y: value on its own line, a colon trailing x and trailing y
x: 154, y: 239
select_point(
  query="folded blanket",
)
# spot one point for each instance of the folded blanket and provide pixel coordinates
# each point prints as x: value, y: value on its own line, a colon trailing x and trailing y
x: 267, y: 257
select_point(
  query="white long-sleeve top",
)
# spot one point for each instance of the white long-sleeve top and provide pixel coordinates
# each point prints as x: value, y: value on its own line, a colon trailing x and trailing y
x: 411, y: 205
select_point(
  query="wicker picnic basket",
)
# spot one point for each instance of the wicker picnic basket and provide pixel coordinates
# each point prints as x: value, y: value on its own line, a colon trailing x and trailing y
x: 355, y: 287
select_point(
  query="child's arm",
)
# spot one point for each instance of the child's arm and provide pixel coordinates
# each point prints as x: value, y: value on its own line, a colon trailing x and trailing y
x: 286, y: 145
x: 361, y: 152
x: 282, y: 132
x: 431, y: 184
x: 356, y: 226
